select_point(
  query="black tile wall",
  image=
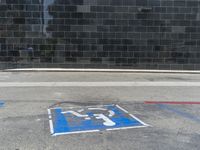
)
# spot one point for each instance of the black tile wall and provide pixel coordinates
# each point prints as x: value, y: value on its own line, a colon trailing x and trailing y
x: 140, y: 34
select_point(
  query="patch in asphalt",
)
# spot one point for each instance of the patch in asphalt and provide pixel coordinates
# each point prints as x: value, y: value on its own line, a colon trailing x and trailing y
x: 91, y: 119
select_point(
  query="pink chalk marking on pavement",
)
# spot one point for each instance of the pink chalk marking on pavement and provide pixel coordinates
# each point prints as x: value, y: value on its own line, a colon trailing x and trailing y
x: 173, y: 102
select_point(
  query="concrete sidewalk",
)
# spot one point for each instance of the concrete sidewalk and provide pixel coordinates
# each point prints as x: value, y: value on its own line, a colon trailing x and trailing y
x: 83, y: 86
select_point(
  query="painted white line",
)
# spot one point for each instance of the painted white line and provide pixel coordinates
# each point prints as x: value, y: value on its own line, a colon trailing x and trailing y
x: 76, y: 132
x: 132, y: 116
x: 51, y: 126
x: 50, y: 122
x: 123, y: 128
x: 77, y: 107
x: 49, y: 111
x: 122, y: 109
x: 98, y: 84
x: 97, y: 108
x: 139, y: 120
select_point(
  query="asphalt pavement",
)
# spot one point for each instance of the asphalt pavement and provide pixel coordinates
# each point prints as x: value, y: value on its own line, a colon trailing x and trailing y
x: 172, y: 119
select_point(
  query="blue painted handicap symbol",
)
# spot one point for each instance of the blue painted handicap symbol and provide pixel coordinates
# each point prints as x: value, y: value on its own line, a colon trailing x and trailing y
x: 1, y: 103
x: 91, y: 119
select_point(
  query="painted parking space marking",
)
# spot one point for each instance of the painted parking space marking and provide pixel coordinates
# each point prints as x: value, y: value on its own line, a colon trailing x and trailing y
x: 50, y: 121
x: 179, y: 112
x: 91, y: 119
x: 1, y: 104
x: 170, y: 106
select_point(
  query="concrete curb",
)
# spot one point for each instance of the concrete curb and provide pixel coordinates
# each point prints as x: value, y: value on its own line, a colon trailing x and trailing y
x: 100, y: 70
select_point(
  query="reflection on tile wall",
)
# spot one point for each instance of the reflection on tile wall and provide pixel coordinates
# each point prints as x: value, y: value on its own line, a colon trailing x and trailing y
x: 141, y: 34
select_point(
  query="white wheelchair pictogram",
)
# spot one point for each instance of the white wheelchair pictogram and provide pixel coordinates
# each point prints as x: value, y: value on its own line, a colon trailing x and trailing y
x: 106, y: 119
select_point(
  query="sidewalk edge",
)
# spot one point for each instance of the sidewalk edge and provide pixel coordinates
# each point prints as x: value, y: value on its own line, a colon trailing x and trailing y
x: 100, y: 70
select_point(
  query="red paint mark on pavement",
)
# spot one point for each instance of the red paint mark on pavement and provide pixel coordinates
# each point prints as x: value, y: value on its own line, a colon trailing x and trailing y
x: 173, y: 102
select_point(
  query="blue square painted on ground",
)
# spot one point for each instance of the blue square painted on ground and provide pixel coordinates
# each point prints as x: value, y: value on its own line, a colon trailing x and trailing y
x: 91, y: 119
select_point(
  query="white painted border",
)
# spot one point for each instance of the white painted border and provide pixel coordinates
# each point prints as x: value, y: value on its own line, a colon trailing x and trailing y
x: 76, y: 132
x: 49, y: 113
x: 133, y: 116
x: 76, y: 107
x: 50, y: 122
x: 90, y: 131
x: 51, y: 126
x: 122, y: 109
x: 123, y: 128
x: 139, y: 120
